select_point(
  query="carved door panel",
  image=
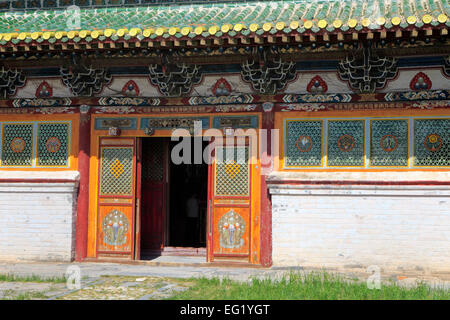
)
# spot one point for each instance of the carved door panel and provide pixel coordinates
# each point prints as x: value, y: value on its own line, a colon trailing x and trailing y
x: 229, y: 203
x: 116, y: 198
x: 154, y: 192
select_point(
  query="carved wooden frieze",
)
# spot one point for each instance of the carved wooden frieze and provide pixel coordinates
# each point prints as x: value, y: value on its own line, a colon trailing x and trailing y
x: 367, y: 72
x: 269, y: 75
x: 84, y: 80
x: 447, y: 65
x: 235, y: 122
x: 122, y: 123
x: 10, y: 80
x: 173, y: 122
x: 174, y: 79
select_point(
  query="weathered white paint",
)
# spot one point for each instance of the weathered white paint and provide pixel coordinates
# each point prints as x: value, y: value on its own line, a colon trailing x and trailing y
x: 396, y: 228
x: 37, y: 220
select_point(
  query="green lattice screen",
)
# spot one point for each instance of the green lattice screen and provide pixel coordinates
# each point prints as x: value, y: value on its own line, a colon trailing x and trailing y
x: 389, y: 143
x: 304, y: 143
x: 232, y: 171
x: 53, y: 144
x: 17, y: 144
x: 346, y: 143
x: 117, y: 170
x: 432, y: 142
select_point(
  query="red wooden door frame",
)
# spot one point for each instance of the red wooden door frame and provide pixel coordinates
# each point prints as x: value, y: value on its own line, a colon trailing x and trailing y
x: 210, y: 199
x: 138, y: 211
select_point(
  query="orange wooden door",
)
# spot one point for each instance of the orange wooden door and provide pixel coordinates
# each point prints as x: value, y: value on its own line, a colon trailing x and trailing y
x: 229, y: 204
x: 154, y: 193
x: 116, y: 198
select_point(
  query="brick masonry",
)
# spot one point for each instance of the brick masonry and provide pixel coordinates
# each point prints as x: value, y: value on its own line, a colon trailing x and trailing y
x: 395, y: 227
x: 37, y: 219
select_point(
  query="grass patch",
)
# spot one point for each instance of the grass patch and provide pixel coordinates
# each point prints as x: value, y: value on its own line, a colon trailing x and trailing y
x: 312, y: 286
x: 31, y: 278
x: 29, y: 296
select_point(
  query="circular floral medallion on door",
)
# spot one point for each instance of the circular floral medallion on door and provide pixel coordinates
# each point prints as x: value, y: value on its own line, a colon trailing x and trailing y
x: 346, y: 143
x: 304, y: 143
x: 53, y: 144
x: 389, y: 143
x: 17, y: 145
x: 433, y: 142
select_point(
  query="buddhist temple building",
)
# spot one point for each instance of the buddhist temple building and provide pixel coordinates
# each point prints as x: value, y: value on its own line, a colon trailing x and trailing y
x: 346, y: 102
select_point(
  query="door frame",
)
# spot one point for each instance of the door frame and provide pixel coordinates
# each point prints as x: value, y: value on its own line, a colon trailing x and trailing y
x: 138, y: 201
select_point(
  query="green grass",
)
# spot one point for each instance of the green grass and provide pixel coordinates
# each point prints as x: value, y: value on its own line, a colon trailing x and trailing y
x: 31, y: 278
x: 313, y: 286
x: 28, y: 296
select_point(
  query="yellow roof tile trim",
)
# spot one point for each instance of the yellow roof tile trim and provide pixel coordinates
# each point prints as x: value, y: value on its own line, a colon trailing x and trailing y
x: 264, y: 22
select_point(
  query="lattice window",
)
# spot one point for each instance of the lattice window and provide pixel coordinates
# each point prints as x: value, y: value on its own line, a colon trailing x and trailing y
x: 432, y: 142
x: 346, y: 143
x: 17, y: 145
x: 232, y: 171
x: 153, y: 161
x: 117, y: 170
x: 304, y: 143
x: 389, y: 143
x: 53, y: 144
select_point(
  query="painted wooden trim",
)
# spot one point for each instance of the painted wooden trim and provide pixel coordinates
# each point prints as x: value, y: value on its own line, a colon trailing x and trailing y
x: 81, y: 239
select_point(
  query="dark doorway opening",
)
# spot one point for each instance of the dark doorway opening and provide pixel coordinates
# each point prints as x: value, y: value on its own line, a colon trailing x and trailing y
x: 174, y: 201
x: 188, y: 185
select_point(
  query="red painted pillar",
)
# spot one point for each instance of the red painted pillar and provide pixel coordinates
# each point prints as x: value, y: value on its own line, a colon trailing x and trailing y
x: 266, y: 168
x: 83, y: 190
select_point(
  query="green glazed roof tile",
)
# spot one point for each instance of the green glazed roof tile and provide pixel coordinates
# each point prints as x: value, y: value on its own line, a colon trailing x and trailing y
x: 246, y: 13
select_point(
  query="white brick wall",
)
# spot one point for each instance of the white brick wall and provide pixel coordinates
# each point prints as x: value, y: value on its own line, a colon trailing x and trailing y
x: 37, y: 220
x: 351, y: 226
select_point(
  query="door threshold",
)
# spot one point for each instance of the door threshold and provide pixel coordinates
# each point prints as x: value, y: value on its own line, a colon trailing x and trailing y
x: 177, y: 261
x: 175, y: 251
x: 184, y: 251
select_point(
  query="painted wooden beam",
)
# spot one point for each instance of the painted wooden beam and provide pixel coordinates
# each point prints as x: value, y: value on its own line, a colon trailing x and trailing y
x: 81, y: 238
x: 245, y: 40
x: 259, y: 40
x: 232, y: 40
